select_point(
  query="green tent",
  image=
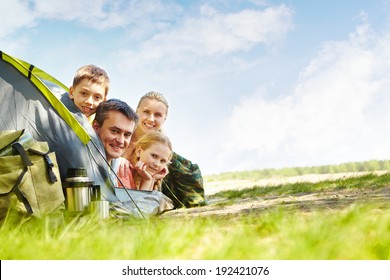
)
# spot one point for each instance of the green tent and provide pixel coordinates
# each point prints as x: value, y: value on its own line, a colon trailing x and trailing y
x: 31, y: 99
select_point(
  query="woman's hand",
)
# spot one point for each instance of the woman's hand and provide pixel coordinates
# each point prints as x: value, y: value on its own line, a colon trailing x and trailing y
x: 124, y: 167
x: 124, y: 173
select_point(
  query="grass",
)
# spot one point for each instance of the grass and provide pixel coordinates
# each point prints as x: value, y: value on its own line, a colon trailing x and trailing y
x: 366, y: 181
x: 365, y: 166
x: 359, y: 231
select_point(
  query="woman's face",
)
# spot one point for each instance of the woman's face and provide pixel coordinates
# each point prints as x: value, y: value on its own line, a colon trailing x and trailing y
x: 152, y: 115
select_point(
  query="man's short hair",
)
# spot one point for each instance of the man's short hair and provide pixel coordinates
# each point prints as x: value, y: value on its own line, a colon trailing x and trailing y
x: 114, y: 104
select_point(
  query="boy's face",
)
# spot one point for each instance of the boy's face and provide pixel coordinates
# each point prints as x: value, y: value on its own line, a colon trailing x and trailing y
x: 115, y: 134
x: 87, y: 96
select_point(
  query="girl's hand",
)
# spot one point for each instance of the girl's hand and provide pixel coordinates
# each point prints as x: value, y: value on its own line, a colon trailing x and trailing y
x: 147, y: 180
x: 164, y: 172
x: 140, y: 168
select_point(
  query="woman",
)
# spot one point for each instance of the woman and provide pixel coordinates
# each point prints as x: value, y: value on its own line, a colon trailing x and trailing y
x: 184, y: 182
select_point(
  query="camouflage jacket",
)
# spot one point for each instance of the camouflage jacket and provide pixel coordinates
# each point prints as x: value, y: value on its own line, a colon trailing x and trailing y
x: 184, y: 183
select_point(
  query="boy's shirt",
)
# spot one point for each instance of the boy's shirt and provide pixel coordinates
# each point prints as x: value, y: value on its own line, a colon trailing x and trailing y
x: 65, y: 99
x: 91, y: 118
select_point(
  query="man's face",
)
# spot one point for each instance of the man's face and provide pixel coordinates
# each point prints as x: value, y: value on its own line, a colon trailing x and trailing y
x: 115, y: 134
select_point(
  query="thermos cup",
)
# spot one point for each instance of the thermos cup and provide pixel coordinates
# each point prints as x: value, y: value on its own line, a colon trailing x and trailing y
x: 99, y: 208
x: 77, y: 191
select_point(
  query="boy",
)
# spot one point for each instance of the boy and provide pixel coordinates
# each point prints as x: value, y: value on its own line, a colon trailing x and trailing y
x: 90, y: 88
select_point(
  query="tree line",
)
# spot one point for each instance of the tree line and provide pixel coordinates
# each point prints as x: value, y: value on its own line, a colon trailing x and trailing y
x: 365, y: 166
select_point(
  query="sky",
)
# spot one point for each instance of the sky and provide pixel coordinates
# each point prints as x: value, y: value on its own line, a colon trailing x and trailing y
x: 250, y: 84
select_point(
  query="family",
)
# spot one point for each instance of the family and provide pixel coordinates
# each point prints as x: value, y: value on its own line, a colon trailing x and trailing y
x: 135, y: 146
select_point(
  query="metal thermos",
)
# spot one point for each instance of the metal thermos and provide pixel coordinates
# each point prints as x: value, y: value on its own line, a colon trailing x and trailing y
x: 99, y: 208
x: 77, y: 190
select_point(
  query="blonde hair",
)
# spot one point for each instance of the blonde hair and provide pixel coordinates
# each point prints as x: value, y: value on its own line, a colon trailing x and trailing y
x: 144, y: 142
x: 94, y: 74
x: 154, y: 95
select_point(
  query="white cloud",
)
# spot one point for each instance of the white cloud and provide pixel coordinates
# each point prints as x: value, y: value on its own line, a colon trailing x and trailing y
x: 98, y: 14
x: 70, y: 10
x: 337, y: 112
x: 174, y: 37
x: 17, y: 45
x: 106, y: 14
x: 213, y: 35
x: 218, y: 34
x: 15, y: 15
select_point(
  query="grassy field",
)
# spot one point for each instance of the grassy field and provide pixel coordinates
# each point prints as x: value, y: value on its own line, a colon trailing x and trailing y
x: 357, y: 230
x: 364, y: 166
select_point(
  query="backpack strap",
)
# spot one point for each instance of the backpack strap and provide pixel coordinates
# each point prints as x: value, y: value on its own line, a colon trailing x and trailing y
x: 50, y: 165
x: 20, y: 150
x: 19, y: 193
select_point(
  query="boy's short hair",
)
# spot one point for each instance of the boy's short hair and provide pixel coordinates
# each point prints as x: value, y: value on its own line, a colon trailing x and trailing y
x: 114, y: 104
x: 93, y: 73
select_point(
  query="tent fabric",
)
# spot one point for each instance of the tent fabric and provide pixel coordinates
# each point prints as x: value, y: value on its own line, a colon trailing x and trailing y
x: 33, y: 100
x: 48, y: 86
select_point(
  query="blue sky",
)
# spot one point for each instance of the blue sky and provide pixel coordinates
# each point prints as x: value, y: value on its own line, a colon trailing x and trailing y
x: 251, y: 84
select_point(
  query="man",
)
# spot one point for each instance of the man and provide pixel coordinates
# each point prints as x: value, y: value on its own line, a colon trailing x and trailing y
x: 114, y: 124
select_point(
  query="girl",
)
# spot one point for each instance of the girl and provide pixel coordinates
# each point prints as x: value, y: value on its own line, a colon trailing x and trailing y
x: 184, y: 183
x: 149, y: 158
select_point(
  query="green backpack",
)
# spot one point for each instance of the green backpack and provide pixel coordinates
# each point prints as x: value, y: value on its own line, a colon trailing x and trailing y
x: 184, y: 183
x: 30, y: 182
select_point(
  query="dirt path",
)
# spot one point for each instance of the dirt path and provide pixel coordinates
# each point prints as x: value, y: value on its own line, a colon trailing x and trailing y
x: 331, y: 200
